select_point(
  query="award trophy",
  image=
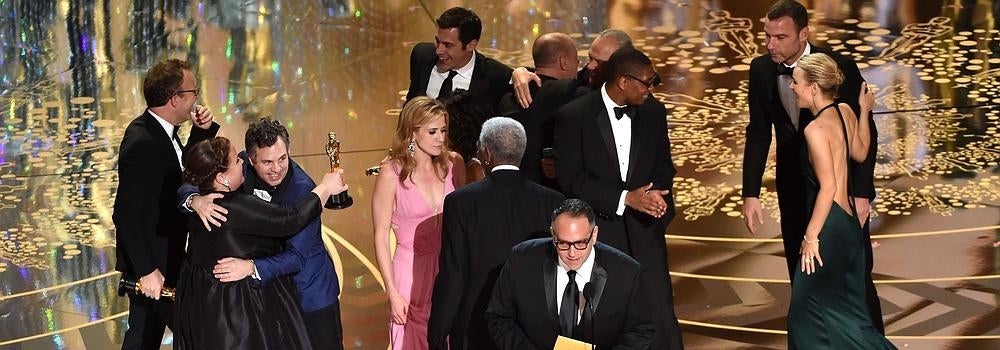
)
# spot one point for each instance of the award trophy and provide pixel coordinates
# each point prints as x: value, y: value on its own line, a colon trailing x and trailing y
x: 341, y: 200
x: 126, y: 285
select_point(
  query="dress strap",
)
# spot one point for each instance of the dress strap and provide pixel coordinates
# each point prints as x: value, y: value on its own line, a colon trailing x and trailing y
x: 847, y: 151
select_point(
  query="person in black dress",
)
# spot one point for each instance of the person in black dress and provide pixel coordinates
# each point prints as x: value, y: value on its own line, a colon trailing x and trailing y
x: 210, y: 314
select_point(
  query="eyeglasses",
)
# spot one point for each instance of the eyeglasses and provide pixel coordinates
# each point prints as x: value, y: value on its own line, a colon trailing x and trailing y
x: 194, y: 91
x: 579, y: 245
x: 654, y: 81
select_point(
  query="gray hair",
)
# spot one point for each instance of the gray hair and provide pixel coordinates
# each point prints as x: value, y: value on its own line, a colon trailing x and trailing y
x: 505, y: 139
x: 620, y: 36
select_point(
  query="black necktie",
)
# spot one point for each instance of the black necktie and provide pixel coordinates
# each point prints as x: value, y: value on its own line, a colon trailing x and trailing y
x: 784, y: 70
x: 446, y: 85
x: 177, y: 138
x: 570, y: 306
x: 626, y: 110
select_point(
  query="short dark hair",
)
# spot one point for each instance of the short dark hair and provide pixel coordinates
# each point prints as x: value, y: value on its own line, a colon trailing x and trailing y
x: 466, y: 114
x: 264, y: 133
x: 627, y: 61
x: 575, y: 208
x: 163, y: 80
x: 468, y: 24
x: 791, y: 9
x: 204, y: 160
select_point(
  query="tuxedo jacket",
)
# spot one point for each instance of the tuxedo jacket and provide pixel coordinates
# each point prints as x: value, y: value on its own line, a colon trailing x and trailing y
x: 523, y: 312
x: 587, y: 168
x: 150, y: 232
x: 490, y: 79
x: 539, y: 120
x: 482, y: 221
x: 766, y: 111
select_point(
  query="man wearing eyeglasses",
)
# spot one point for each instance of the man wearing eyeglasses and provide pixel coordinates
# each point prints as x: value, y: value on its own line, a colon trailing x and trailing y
x: 589, y: 291
x: 613, y: 152
x: 150, y: 232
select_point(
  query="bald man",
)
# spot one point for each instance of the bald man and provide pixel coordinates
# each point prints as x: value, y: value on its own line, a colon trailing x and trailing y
x: 556, y: 63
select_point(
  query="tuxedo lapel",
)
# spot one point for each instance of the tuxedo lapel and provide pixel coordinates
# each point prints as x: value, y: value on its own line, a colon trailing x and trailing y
x: 163, y: 142
x: 598, y: 278
x: 478, y: 84
x: 633, y: 154
x: 549, y: 272
x: 604, y: 126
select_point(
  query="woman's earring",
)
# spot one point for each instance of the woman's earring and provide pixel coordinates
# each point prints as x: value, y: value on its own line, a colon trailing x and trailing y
x: 412, y: 148
x: 225, y: 182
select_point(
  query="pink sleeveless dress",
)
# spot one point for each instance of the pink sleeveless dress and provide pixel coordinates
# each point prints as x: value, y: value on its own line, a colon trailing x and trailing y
x: 417, y: 225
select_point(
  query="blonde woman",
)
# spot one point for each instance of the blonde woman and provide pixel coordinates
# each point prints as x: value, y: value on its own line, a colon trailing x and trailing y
x: 408, y: 198
x: 828, y: 309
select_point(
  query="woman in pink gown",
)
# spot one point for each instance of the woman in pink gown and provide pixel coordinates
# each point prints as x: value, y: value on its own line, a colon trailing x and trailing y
x: 408, y: 198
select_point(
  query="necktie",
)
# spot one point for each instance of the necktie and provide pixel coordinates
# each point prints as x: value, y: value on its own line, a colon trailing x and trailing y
x: 784, y: 70
x: 570, y: 306
x: 626, y: 110
x: 177, y: 138
x: 446, y: 85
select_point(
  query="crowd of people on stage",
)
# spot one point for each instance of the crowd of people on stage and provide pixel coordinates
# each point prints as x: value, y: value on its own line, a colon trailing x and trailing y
x: 528, y: 205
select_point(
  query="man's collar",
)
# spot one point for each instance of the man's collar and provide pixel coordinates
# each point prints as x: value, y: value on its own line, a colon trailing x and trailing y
x: 607, y: 98
x: 505, y: 167
x: 588, y: 264
x: 805, y: 52
x: 167, y: 126
x: 466, y: 70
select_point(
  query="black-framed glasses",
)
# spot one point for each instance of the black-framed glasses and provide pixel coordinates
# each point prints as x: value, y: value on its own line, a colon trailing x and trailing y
x: 579, y: 245
x: 654, y: 81
x: 194, y: 91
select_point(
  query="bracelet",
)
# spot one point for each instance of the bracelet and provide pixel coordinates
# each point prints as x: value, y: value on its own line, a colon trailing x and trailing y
x: 808, y: 241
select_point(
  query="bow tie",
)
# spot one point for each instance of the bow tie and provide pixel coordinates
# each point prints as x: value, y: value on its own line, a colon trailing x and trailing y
x: 626, y: 110
x: 784, y: 70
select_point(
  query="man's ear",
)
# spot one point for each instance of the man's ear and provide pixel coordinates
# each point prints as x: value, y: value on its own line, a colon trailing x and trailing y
x: 472, y: 45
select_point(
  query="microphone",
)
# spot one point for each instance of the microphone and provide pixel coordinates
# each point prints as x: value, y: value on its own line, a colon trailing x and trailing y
x: 588, y: 296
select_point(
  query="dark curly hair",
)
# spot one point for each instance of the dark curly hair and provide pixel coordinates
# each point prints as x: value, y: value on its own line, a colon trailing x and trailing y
x: 163, y: 80
x: 204, y: 160
x: 264, y: 133
x: 466, y: 114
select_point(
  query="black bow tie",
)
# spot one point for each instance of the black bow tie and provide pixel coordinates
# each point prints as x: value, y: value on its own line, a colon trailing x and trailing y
x: 627, y: 110
x: 784, y: 70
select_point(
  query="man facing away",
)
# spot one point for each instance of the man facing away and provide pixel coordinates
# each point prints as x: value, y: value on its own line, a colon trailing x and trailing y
x: 482, y: 221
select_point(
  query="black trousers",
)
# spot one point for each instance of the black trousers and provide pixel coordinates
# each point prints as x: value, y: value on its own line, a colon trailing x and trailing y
x: 874, y: 307
x: 324, y: 327
x: 147, y: 320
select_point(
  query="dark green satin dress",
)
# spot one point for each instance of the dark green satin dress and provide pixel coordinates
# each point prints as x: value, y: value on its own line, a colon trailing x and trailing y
x: 828, y: 308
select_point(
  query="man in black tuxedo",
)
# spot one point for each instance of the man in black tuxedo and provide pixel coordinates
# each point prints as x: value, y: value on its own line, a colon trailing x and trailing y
x: 150, y: 232
x: 452, y: 61
x: 556, y: 64
x: 592, y: 75
x: 572, y: 286
x: 773, y: 103
x: 482, y: 221
x: 614, y: 152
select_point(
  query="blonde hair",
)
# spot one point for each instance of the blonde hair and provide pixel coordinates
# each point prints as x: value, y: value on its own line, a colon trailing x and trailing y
x: 418, y: 111
x: 819, y: 68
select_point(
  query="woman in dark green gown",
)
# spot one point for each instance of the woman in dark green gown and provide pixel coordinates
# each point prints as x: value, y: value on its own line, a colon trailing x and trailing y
x: 828, y: 309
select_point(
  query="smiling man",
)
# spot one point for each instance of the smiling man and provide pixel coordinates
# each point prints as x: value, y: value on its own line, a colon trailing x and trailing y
x: 451, y: 62
x: 273, y: 176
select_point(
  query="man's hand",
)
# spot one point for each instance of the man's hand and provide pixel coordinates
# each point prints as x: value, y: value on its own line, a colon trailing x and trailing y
x: 232, y: 269
x: 647, y: 200
x: 752, y: 215
x: 521, y: 78
x: 201, y: 117
x: 208, y: 211
x: 864, y: 207
x: 549, y: 168
x: 152, y: 284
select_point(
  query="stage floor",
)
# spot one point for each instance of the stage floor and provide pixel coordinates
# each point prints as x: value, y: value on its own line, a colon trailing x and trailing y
x: 71, y: 76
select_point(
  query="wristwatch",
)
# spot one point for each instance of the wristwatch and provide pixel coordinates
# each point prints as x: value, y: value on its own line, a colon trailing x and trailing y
x: 187, y: 202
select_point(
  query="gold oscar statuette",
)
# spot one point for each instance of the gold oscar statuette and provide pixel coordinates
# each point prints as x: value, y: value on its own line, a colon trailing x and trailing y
x: 341, y: 200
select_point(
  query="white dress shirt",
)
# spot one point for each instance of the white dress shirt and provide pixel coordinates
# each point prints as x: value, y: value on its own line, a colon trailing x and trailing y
x: 505, y: 167
x: 169, y: 128
x: 582, y: 278
x: 622, y: 130
x: 460, y: 81
x: 785, y: 91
